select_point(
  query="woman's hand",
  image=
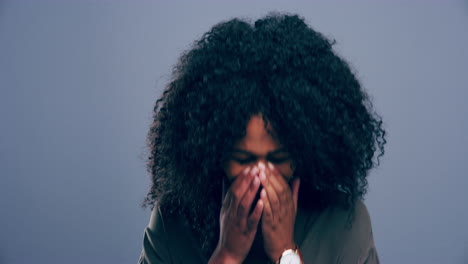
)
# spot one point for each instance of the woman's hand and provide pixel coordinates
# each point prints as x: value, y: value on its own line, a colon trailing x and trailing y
x: 279, y: 214
x: 238, y: 228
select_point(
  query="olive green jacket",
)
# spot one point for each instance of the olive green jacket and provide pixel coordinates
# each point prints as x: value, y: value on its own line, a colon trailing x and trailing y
x: 322, y: 238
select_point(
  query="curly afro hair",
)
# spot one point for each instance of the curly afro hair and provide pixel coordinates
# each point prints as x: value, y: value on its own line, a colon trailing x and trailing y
x: 283, y: 69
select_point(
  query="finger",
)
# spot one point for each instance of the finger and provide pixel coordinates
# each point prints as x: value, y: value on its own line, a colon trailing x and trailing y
x: 273, y: 197
x: 295, y: 191
x: 240, y: 177
x: 277, y: 180
x: 240, y: 186
x: 254, y: 218
x: 283, y: 190
x: 229, y: 199
x: 267, y: 212
x: 226, y: 201
x: 249, y: 196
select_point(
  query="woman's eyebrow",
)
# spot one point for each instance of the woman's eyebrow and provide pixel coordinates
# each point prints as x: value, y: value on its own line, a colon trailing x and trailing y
x: 241, y: 151
x: 280, y: 150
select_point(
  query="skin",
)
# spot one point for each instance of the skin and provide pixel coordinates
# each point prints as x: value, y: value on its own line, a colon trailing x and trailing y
x: 258, y: 146
x: 257, y: 161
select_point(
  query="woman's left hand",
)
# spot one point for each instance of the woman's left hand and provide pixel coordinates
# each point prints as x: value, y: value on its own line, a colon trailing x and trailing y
x: 279, y: 213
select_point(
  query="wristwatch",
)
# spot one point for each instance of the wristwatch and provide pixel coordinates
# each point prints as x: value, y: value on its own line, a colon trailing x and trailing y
x: 290, y: 256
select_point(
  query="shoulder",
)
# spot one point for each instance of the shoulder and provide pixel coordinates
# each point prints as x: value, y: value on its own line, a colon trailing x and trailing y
x: 167, y: 225
x: 174, y: 235
x: 156, y: 222
x: 345, y: 225
x: 155, y: 240
x: 354, y: 225
x: 341, y: 239
x: 355, y: 220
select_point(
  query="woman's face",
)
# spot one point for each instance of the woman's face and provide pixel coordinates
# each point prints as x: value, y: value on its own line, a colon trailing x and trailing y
x: 258, y: 146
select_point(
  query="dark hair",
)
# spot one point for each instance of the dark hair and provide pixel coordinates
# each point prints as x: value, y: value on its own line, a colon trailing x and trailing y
x: 283, y: 69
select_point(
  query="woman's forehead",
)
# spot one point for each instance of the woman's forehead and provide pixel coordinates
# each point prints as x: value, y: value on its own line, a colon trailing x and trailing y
x: 257, y: 139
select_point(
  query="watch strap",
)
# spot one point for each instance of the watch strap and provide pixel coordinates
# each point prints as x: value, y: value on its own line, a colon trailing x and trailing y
x: 287, y: 251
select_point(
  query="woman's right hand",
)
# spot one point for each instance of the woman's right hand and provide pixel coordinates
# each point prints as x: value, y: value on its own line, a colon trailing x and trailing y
x: 238, y: 228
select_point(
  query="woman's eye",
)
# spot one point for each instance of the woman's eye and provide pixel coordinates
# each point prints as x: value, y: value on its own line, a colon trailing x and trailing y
x: 243, y: 161
x: 278, y: 160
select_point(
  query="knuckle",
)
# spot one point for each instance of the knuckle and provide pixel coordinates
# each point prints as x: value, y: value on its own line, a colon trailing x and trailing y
x: 235, y: 195
x: 281, y: 190
x: 242, y: 209
x: 251, y: 222
x: 275, y: 202
x: 246, y: 179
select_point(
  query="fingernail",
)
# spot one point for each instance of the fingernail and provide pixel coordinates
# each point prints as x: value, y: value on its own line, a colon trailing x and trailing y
x: 262, y: 175
x: 271, y: 166
x: 261, y: 166
x: 256, y: 181
x: 254, y: 171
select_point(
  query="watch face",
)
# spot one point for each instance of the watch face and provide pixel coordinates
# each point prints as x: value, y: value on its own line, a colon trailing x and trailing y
x: 290, y: 258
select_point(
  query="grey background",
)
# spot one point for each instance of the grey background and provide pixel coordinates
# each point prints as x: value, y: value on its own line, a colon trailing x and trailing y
x: 79, y: 78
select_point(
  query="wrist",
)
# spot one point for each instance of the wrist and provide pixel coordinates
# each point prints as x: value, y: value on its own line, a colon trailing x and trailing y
x: 277, y: 255
x: 291, y: 254
x: 222, y: 257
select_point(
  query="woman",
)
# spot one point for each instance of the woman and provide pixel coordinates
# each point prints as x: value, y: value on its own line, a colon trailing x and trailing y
x: 260, y: 148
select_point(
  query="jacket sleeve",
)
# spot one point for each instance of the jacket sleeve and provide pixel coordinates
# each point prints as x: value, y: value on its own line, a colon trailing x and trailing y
x: 358, y: 243
x: 370, y: 256
x: 155, y: 243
